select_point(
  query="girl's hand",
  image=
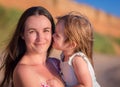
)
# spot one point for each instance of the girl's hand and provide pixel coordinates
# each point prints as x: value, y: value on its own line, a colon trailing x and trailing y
x: 52, y: 83
x: 44, y: 85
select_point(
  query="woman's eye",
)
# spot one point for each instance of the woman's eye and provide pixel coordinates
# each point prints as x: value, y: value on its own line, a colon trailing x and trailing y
x: 31, y: 31
x: 46, y: 30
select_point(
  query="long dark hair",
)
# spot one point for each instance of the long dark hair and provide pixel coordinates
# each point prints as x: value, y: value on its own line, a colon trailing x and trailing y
x: 16, y: 47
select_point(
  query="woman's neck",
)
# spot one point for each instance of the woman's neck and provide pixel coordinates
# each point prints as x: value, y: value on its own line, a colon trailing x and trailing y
x: 34, y: 59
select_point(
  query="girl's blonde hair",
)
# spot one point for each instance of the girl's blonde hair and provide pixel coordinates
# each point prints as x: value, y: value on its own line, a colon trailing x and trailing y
x: 77, y: 28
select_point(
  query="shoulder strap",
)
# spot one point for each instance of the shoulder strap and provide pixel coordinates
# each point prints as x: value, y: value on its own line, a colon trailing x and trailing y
x: 56, y: 63
x: 78, y: 54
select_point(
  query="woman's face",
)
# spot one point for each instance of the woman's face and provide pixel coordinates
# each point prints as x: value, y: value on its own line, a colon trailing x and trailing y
x: 37, y: 34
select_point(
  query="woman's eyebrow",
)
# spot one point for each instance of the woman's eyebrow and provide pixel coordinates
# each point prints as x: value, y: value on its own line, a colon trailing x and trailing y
x: 47, y: 28
x: 31, y: 29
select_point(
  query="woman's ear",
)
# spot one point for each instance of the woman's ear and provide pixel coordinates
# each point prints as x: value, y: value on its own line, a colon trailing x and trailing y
x: 22, y: 36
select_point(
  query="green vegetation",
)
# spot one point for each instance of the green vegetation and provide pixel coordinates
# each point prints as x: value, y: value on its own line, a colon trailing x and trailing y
x: 103, y: 44
x: 9, y: 18
x: 117, y: 40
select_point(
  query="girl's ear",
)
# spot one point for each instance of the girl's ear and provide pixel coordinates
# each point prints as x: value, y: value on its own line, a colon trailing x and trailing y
x: 72, y: 45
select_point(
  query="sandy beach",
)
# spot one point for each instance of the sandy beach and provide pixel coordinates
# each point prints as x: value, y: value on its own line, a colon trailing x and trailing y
x: 107, y: 69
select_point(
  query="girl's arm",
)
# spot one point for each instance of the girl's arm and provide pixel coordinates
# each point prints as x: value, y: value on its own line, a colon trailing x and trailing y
x: 82, y: 72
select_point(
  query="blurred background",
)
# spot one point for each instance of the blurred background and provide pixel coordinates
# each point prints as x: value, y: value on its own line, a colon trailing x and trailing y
x: 104, y: 16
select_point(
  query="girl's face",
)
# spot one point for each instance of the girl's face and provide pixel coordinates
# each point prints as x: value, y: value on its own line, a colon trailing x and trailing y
x: 37, y: 34
x: 59, y: 37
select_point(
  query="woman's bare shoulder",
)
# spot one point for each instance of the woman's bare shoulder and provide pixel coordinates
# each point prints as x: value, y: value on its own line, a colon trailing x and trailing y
x: 23, y: 75
x: 22, y: 69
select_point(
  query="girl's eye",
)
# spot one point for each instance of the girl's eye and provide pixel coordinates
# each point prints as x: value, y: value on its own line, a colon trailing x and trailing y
x: 56, y: 35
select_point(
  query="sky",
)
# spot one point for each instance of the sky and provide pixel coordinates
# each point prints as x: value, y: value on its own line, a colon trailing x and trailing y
x: 109, y: 6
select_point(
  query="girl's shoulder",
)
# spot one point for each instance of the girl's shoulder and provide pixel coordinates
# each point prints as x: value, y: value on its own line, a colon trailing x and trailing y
x: 78, y: 56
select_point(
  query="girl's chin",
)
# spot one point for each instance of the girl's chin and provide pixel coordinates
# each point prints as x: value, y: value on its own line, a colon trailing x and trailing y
x: 55, y: 47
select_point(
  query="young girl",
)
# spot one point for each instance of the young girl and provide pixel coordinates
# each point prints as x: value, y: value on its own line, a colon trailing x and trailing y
x: 74, y: 37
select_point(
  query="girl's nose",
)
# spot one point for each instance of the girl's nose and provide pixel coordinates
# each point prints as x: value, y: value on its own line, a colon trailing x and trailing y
x: 53, y: 35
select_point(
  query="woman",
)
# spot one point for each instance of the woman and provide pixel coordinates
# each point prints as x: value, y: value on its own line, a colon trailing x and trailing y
x: 26, y: 56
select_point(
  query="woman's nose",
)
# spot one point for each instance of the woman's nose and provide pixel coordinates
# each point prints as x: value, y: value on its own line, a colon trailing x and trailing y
x: 39, y: 37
